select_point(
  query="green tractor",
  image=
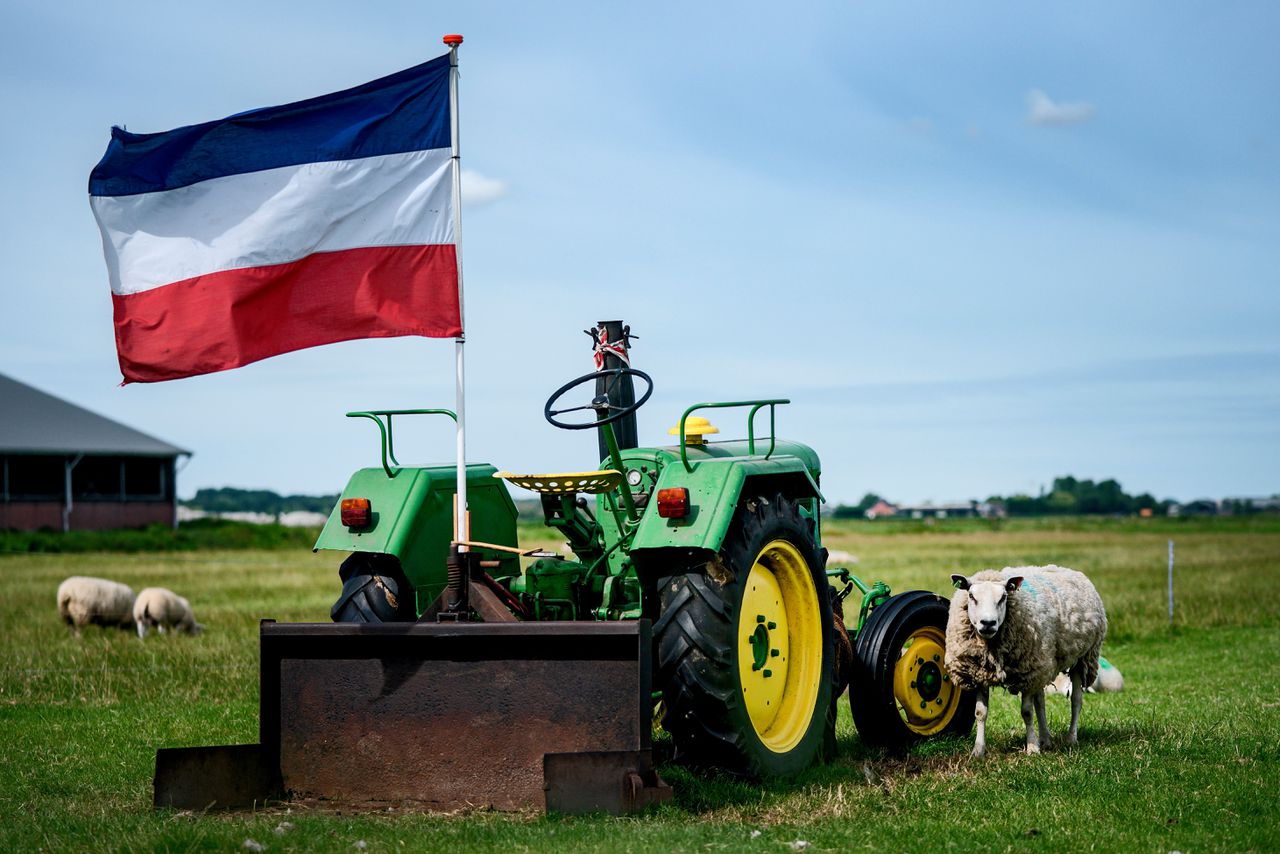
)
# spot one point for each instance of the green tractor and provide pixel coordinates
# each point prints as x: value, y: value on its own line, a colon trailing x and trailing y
x: 717, y: 544
x: 453, y: 675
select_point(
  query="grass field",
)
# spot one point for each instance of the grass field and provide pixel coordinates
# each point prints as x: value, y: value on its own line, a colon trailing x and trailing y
x: 1186, y: 759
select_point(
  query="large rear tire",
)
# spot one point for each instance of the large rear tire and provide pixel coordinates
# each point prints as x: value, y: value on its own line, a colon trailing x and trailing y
x: 745, y: 648
x: 900, y: 693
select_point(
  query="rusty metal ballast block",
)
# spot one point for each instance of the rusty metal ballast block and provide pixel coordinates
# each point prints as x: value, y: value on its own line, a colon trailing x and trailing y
x: 549, y: 715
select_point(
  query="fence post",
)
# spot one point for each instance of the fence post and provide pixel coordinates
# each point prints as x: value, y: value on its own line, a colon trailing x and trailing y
x: 1171, y: 582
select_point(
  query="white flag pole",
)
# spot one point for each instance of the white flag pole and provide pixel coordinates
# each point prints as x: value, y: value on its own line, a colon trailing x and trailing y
x: 461, y: 525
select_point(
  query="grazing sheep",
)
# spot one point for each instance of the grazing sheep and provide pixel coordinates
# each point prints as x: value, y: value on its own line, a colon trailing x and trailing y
x: 1109, y: 680
x: 161, y: 608
x: 84, y: 601
x: 1020, y: 627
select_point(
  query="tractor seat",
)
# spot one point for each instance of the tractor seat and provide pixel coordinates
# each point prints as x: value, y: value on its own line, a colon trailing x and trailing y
x: 590, y: 482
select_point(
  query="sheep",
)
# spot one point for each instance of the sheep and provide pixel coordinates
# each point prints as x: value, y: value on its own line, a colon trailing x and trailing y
x: 838, y: 557
x: 162, y: 608
x: 83, y: 601
x: 1109, y: 680
x: 1019, y: 627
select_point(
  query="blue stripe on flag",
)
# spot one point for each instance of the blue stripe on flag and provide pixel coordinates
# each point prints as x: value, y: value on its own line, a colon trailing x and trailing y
x: 406, y: 111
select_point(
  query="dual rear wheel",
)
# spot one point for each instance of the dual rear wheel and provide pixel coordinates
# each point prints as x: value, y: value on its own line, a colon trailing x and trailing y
x: 900, y: 692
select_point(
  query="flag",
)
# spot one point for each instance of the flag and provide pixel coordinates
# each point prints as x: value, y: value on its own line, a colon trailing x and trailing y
x: 282, y: 228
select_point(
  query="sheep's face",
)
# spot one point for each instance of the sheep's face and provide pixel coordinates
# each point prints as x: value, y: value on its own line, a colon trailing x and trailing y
x: 988, y: 602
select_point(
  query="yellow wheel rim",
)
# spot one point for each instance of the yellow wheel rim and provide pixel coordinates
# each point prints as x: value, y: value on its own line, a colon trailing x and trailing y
x: 925, y: 693
x: 780, y: 646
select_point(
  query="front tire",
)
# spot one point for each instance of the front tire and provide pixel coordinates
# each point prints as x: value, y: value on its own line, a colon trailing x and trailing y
x: 900, y: 693
x: 745, y: 649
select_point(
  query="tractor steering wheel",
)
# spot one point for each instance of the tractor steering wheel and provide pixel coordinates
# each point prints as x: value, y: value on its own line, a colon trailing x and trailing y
x: 600, y: 403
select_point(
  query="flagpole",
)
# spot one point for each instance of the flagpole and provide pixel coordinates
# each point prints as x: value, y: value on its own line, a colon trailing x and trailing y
x: 462, y: 524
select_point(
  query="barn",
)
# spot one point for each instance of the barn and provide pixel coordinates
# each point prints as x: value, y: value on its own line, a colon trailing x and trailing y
x: 65, y: 468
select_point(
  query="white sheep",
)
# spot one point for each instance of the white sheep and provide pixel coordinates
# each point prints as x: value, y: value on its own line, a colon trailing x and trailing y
x: 83, y: 601
x: 835, y: 557
x: 1020, y: 627
x: 1109, y: 680
x: 162, y: 608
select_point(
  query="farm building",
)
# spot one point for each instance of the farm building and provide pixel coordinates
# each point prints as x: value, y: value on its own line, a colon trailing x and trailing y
x: 63, y: 467
x: 950, y: 510
x: 881, y: 510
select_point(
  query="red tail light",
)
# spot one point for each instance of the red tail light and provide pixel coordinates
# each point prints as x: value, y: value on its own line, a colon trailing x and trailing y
x: 356, y: 512
x: 673, y: 502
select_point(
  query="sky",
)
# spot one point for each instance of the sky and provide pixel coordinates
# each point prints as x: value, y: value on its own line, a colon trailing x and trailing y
x: 977, y: 246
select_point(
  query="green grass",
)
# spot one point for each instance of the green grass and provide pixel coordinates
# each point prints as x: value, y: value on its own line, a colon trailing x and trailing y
x: 1185, y: 759
x: 195, y: 535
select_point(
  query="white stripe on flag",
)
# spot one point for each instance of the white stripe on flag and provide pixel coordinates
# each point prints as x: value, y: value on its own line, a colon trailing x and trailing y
x: 275, y: 216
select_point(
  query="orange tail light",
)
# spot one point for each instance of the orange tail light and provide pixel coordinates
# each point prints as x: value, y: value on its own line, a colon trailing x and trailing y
x: 673, y: 502
x: 356, y: 512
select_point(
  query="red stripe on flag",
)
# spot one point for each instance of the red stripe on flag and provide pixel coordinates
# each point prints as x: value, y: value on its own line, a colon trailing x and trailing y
x: 234, y: 317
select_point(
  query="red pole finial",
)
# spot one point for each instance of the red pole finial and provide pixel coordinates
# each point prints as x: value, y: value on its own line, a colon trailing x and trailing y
x: 453, y: 39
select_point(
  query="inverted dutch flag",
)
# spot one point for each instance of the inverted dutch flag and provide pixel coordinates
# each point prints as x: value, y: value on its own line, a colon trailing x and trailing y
x: 286, y: 227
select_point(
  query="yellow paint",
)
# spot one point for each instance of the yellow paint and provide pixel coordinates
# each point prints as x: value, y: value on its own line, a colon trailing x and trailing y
x: 781, y: 692
x: 590, y: 482
x: 695, y: 427
x: 923, y: 647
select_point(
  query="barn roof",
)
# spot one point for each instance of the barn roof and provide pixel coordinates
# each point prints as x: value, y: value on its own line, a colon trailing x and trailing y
x: 33, y: 422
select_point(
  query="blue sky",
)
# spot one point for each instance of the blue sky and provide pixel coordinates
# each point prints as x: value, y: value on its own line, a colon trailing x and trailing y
x: 977, y: 246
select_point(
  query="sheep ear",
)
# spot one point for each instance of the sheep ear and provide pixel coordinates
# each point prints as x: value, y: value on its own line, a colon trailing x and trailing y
x: 960, y: 582
x: 1013, y: 583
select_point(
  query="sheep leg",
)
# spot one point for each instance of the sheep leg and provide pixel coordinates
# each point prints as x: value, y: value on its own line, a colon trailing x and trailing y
x: 980, y: 719
x: 1028, y: 702
x: 1077, y: 700
x: 142, y: 629
x: 1041, y: 719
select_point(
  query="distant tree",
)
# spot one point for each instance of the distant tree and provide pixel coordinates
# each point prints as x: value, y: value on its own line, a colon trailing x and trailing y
x: 1023, y: 505
x: 1089, y: 498
x: 308, y: 503
x: 1061, y: 503
x: 1065, y: 484
x: 856, y: 511
x: 1071, y: 495
x: 868, y: 501
x: 229, y: 499
x: 1112, y: 499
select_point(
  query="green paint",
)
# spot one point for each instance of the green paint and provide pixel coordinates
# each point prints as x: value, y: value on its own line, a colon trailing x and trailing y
x: 413, y: 515
x: 413, y: 520
x: 759, y: 648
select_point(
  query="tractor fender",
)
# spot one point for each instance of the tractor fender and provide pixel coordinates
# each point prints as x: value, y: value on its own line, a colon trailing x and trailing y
x: 715, y: 487
x: 412, y: 519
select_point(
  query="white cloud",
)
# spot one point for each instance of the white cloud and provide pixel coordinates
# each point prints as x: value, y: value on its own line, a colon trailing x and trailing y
x: 480, y: 189
x: 1043, y: 110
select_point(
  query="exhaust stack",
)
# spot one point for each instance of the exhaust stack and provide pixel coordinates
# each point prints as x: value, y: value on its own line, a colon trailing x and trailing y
x: 611, y: 340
